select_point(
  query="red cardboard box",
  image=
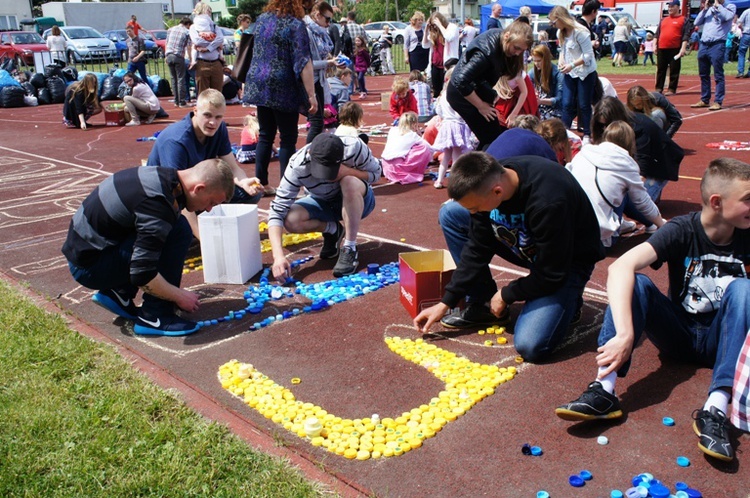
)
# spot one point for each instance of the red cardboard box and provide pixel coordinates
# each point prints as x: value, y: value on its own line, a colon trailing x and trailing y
x: 423, y: 277
x: 114, y: 118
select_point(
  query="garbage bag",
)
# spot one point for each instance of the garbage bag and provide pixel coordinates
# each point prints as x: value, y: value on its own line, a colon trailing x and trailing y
x: 110, y: 88
x: 28, y: 88
x: 7, y: 80
x: 12, y: 96
x: 38, y: 80
x: 56, y: 86
x: 44, y: 97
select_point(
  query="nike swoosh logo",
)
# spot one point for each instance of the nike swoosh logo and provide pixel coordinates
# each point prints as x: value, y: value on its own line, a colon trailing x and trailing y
x: 155, y: 324
x: 124, y: 303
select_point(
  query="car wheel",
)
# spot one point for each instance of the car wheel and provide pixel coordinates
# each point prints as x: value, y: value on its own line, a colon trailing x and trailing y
x: 399, y: 40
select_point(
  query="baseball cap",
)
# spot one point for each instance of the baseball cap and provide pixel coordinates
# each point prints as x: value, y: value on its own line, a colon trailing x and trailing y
x: 326, y: 152
x: 675, y: 2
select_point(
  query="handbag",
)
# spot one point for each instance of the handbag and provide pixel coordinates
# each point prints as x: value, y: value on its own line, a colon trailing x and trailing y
x: 244, y: 57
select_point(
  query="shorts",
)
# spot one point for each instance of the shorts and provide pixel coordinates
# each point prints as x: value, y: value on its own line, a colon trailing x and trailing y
x: 330, y: 210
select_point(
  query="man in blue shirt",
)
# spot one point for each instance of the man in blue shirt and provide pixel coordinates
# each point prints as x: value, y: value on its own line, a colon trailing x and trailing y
x: 744, y: 25
x: 716, y: 20
x: 201, y: 135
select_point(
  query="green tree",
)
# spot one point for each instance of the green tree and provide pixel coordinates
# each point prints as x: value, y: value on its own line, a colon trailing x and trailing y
x: 253, y: 8
x: 374, y: 10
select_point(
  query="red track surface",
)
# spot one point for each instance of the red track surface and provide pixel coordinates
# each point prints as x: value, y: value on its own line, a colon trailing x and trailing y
x: 340, y: 355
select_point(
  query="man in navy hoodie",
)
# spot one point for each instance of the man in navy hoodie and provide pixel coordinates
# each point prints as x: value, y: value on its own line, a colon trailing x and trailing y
x: 534, y: 214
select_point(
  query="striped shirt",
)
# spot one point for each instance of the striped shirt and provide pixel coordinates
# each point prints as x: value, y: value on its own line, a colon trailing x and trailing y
x: 136, y: 202
x: 178, y: 39
x: 297, y: 175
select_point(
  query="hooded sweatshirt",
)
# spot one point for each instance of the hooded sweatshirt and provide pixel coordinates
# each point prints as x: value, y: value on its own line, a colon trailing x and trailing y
x: 617, y: 175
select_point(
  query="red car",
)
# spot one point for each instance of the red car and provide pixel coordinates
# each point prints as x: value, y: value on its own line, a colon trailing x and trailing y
x: 21, y: 45
x: 160, y: 38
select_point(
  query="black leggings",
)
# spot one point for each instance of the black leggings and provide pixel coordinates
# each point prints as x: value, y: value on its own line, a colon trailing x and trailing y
x: 485, y: 131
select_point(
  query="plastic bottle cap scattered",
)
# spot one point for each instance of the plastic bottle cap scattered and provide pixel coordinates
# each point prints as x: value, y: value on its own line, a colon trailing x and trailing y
x: 668, y: 421
x: 296, y: 380
x: 536, y: 450
x: 542, y: 494
x: 576, y: 481
x: 602, y: 440
x: 683, y: 461
x: 586, y: 475
x: 616, y: 493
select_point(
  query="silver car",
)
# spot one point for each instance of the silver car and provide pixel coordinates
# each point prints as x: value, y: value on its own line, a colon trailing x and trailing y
x: 85, y: 43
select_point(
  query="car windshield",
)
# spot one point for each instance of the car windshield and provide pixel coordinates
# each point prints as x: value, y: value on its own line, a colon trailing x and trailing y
x: 146, y: 35
x: 159, y: 35
x: 26, y: 38
x: 631, y: 19
x: 399, y: 25
x: 81, y: 33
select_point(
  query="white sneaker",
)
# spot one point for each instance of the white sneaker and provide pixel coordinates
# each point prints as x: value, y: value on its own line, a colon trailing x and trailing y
x: 585, y: 140
x: 627, y: 226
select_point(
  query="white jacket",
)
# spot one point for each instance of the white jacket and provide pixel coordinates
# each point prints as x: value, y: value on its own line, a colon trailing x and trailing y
x: 618, y: 174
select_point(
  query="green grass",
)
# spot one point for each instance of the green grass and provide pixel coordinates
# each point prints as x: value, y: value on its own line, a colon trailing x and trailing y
x: 77, y: 420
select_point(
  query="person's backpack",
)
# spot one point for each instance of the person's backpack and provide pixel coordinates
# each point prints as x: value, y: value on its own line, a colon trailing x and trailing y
x: 347, y: 44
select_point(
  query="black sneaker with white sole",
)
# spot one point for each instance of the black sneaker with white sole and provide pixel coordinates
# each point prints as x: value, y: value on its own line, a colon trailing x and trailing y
x: 331, y: 243
x: 711, y: 427
x: 594, y: 404
x: 117, y: 303
x: 347, y: 263
x: 474, y: 315
x: 168, y: 325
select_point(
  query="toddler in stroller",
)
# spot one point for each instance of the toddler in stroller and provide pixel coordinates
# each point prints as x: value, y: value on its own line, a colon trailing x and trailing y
x: 375, y: 61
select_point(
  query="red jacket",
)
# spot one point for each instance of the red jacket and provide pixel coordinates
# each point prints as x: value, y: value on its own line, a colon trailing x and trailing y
x: 400, y: 106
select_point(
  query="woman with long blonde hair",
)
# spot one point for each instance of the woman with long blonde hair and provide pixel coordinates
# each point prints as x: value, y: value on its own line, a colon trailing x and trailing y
x: 81, y: 102
x: 578, y: 64
x: 470, y: 93
x: 415, y: 56
x: 548, y: 83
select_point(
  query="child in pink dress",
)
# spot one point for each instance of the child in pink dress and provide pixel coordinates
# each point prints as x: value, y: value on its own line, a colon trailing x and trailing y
x: 406, y: 154
x: 453, y: 137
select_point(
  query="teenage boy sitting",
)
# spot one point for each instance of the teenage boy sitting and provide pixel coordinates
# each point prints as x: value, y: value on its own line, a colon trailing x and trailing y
x: 705, y: 318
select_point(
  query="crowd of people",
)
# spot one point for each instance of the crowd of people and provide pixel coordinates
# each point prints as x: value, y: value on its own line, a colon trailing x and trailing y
x: 525, y: 184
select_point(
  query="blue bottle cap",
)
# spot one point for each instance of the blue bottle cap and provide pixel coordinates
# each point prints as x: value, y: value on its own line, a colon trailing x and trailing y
x: 536, y: 450
x: 658, y: 491
x: 668, y: 421
x: 632, y: 493
x: 526, y: 449
x: 615, y: 493
x: 586, y: 475
x: 681, y: 494
x: 680, y: 486
x: 576, y: 481
x: 542, y: 494
x: 642, y: 491
x: 683, y: 461
x: 693, y: 493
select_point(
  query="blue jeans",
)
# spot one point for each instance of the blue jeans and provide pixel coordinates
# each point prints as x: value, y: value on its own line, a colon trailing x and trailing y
x: 323, y: 210
x: 711, y: 55
x: 654, y: 188
x: 741, y: 53
x: 577, y: 97
x: 112, y: 268
x: 139, y: 66
x: 713, y: 343
x: 361, y: 81
x: 544, y: 321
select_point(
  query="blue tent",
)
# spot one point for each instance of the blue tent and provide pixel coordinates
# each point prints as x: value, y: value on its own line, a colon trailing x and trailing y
x: 740, y: 4
x: 511, y: 8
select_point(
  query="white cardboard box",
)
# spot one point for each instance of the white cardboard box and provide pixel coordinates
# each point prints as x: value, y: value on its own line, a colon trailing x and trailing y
x: 230, y: 243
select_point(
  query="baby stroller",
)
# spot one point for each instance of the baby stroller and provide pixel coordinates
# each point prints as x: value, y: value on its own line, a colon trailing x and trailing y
x: 630, y: 56
x: 375, y: 62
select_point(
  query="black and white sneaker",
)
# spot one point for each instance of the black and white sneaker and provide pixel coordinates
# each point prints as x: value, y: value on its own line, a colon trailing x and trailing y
x: 331, y: 243
x: 594, y: 404
x: 474, y: 315
x: 711, y: 427
x: 347, y: 263
x: 117, y: 303
x: 169, y: 325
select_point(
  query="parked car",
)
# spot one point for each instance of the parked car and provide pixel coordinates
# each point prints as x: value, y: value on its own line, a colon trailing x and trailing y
x: 84, y: 42
x: 119, y: 37
x: 375, y: 29
x: 21, y: 45
x: 228, y: 40
x: 160, y: 38
x: 614, y: 17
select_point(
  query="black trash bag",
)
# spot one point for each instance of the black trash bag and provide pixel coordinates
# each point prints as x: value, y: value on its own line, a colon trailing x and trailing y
x: 53, y: 70
x: 12, y: 96
x: 163, y: 89
x: 8, y: 64
x: 162, y: 113
x: 56, y: 86
x: 69, y: 73
x: 123, y: 90
x: 38, y: 80
x: 110, y: 88
x: 29, y: 88
x: 44, y: 97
